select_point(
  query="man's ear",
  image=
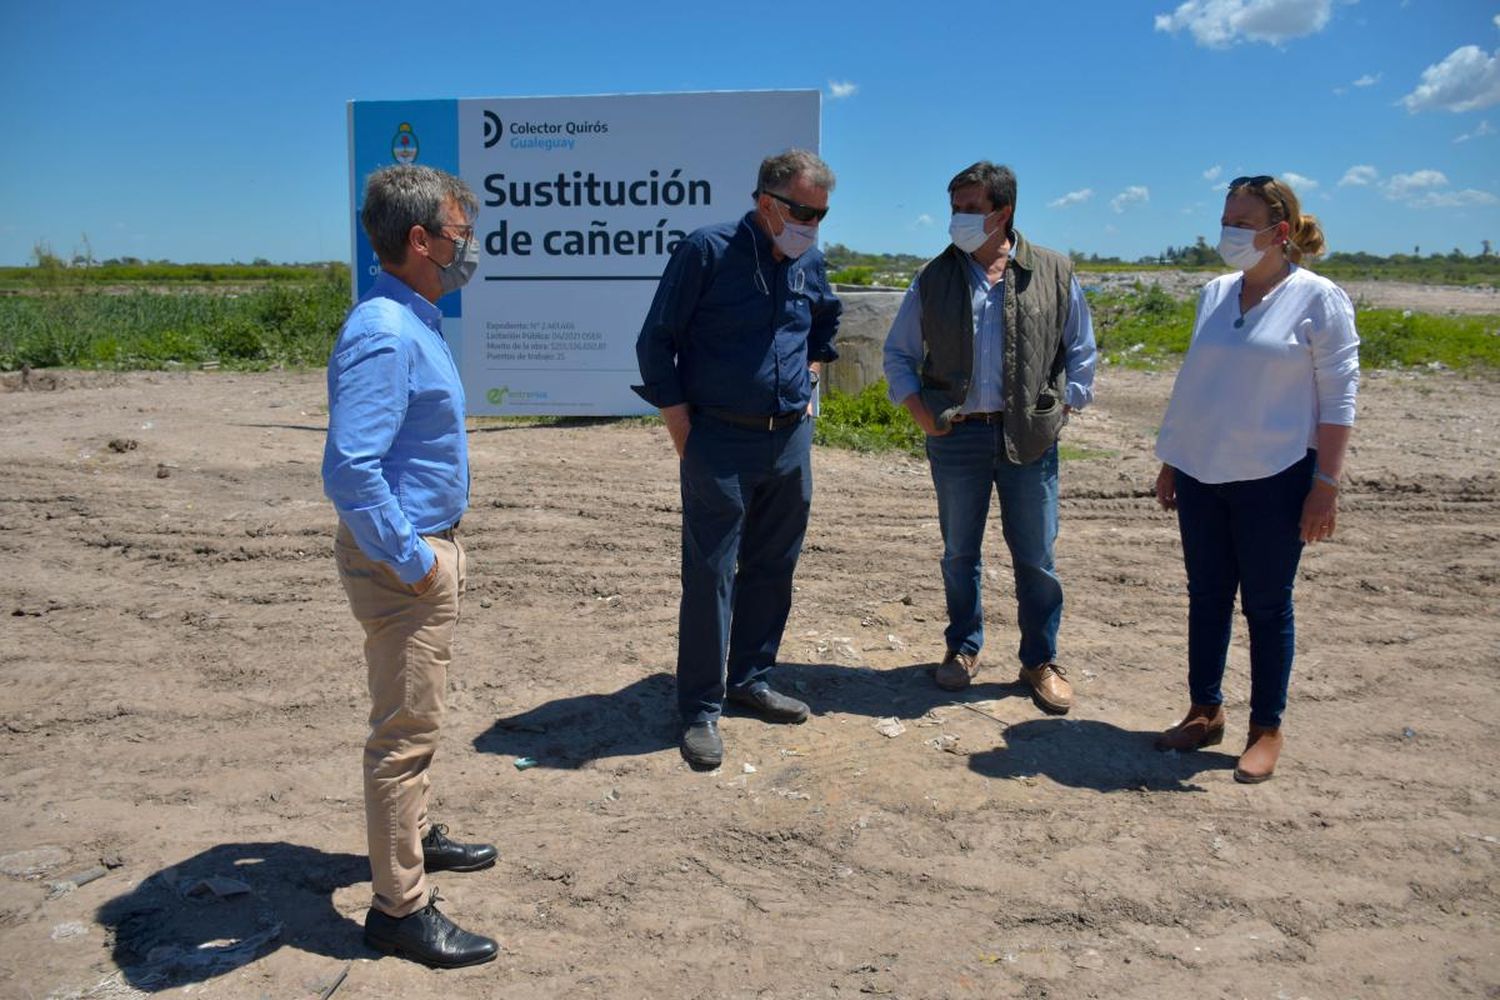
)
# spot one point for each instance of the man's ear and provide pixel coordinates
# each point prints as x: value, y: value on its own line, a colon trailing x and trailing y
x: 417, y: 239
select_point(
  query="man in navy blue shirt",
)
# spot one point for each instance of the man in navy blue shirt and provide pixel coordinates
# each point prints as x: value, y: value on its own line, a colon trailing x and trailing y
x: 730, y: 353
x: 396, y: 466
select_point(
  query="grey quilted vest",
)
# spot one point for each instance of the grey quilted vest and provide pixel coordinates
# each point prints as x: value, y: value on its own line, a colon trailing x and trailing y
x: 1035, y: 381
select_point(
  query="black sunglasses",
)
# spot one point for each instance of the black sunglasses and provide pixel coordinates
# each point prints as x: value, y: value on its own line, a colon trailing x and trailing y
x: 797, y: 210
x: 1259, y: 180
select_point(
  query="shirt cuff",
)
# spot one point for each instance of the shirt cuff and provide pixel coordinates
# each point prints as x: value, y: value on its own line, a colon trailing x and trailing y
x: 660, y: 396
x: 415, y: 568
x: 1078, y: 396
x: 824, y: 354
x: 901, y: 386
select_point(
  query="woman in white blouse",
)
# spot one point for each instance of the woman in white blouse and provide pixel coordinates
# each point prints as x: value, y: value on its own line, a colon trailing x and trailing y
x: 1252, y: 446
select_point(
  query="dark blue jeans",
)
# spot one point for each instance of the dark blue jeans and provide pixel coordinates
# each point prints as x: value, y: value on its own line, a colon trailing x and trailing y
x: 1243, y: 536
x: 968, y: 466
x: 745, y: 498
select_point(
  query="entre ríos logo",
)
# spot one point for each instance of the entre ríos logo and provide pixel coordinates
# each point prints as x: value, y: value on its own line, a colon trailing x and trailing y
x: 404, y: 145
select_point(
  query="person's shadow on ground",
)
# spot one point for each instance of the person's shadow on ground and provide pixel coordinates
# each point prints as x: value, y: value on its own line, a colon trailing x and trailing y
x: 641, y: 718
x: 222, y: 909
x: 1085, y: 753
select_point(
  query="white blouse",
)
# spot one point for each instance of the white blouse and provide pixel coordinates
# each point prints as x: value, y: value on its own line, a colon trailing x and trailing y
x: 1253, y: 388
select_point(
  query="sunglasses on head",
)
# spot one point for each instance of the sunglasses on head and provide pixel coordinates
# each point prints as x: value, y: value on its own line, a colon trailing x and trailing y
x: 797, y: 210
x: 1259, y: 180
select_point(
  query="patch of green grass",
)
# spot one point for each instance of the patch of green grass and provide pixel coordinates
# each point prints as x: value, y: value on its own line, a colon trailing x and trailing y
x: 286, y: 324
x: 867, y: 421
x: 1391, y: 337
x: 1141, y: 328
x: 1075, y: 453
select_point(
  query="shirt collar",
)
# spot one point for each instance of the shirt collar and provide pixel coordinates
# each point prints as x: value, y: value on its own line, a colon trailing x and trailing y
x: 759, y: 235
x: 388, y: 286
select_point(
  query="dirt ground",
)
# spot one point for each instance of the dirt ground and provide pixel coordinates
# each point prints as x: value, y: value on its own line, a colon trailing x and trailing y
x: 1450, y: 299
x: 182, y: 700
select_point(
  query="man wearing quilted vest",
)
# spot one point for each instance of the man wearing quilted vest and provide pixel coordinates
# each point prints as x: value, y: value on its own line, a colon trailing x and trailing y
x: 991, y: 350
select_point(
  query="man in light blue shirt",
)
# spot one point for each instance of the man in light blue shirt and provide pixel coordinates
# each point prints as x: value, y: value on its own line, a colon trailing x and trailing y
x: 990, y: 351
x: 396, y: 466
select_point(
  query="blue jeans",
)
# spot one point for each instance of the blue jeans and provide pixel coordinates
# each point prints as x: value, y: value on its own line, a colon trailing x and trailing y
x: 1243, y: 536
x: 745, y: 498
x: 967, y: 463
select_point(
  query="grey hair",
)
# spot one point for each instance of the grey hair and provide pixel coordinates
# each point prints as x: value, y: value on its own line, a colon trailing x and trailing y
x: 776, y: 172
x: 405, y: 195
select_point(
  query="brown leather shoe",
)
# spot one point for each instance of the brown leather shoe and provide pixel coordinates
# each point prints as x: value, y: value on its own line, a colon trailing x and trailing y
x: 1049, y: 687
x: 1258, y: 762
x: 957, y: 670
x: 1203, y: 727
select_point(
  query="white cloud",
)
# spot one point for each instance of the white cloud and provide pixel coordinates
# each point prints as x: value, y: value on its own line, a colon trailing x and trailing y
x: 1428, y: 189
x: 1367, y: 80
x: 1482, y: 129
x: 1402, y: 186
x: 924, y: 219
x: 1072, y: 198
x: 1135, y: 194
x: 1453, y: 199
x: 1359, y: 176
x: 1213, y: 172
x: 1465, y: 81
x: 839, y: 89
x: 1217, y: 24
x: 1298, y: 182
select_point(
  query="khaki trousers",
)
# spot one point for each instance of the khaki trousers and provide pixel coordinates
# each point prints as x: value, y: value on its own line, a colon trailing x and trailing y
x: 408, y: 646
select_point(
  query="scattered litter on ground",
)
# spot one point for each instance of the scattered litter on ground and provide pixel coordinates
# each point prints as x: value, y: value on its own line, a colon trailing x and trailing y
x: 66, y: 885
x: 522, y: 763
x: 216, y: 887
x: 337, y: 982
x: 69, y: 929
x: 889, y: 727
x: 947, y: 742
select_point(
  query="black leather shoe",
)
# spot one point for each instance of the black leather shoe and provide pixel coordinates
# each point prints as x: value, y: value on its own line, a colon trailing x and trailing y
x: 439, y: 854
x: 773, y: 706
x: 701, y: 745
x: 428, y: 937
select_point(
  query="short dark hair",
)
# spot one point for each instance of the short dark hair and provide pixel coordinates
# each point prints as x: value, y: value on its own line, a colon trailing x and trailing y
x: 998, y: 180
x: 405, y: 195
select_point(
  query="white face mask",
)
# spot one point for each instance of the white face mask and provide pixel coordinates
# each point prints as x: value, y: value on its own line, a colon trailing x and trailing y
x: 1237, y: 247
x: 795, y: 238
x: 966, y: 230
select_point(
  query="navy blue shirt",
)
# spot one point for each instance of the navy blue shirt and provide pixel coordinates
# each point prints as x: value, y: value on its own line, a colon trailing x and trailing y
x: 716, y: 335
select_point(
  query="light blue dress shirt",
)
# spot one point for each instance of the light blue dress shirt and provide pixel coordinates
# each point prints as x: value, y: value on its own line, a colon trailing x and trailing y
x: 396, y: 462
x: 904, y: 352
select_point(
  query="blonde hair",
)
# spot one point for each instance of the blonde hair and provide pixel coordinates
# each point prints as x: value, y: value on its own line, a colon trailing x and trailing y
x: 1306, y: 236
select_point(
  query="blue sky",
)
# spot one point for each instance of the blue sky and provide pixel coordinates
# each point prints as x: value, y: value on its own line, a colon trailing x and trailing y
x: 216, y: 131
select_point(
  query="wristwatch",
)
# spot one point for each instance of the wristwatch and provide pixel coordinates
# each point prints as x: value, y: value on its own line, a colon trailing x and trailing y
x: 812, y: 376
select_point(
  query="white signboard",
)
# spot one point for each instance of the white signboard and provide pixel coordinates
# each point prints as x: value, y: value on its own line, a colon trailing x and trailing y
x: 582, y: 199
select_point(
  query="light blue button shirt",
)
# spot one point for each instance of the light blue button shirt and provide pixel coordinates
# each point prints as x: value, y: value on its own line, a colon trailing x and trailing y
x: 396, y: 462
x: 904, y: 352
